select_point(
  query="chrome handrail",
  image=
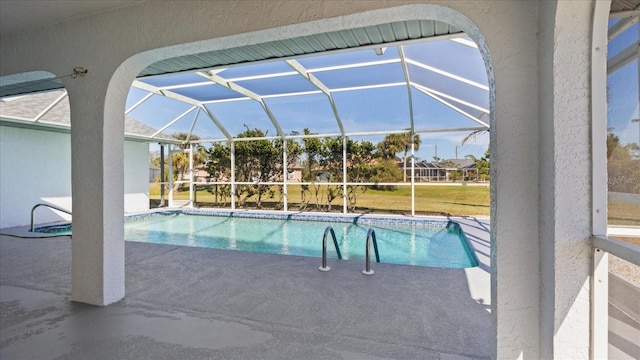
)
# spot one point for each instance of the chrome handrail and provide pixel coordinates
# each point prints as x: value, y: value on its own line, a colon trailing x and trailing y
x: 371, y: 235
x: 328, y: 230
x: 33, y: 209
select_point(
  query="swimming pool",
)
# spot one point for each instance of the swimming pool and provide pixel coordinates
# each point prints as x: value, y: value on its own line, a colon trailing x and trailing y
x: 434, y: 243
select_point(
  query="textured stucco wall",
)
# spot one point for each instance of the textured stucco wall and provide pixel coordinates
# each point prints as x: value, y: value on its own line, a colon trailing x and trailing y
x: 546, y: 175
x: 565, y: 178
x: 116, y: 45
x: 36, y: 167
x: 136, y: 176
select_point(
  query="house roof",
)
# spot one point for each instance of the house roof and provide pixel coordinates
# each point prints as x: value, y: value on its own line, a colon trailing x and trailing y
x: 50, y: 110
x: 463, y: 163
x: 458, y: 163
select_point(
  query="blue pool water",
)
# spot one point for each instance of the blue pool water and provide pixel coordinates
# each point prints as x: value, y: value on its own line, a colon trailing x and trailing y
x: 435, y: 244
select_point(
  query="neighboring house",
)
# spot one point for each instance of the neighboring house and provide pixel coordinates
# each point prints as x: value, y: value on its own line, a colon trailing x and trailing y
x: 426, y: 171
x: 35, y: 140
x: 295, y: 173
x: 200, y: 174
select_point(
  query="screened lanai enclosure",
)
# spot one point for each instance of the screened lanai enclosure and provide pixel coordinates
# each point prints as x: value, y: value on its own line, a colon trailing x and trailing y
x: 310, y: 123
x: 312, y: 132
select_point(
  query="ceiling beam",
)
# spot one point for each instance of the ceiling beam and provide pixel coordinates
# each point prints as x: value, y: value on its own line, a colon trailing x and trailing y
x: 448, y: 74
x: 624, y: 57
x: 320, y: 85
x: 193, y: 124
x: 456, y: 99
x: 185, y: 99
x: 624, y: 13
x: 407, y: 78
x: 217, y: 122
x: 51, y: 106
x: 166, y: 93
x: 620, y: 27
x: 246, y: 92
x: 453, y: 107
x: 134, y: 106
x: 354, y: 65
x: 173, y: 121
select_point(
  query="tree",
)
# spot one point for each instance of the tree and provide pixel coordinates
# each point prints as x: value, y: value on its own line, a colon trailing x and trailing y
x: 256, y: 161
x: 473, y: 135
x: 395, y: 143
x: 482, y: 165
x: 623, y: 170
x: 361, y: 161
x: 390, y: 146
x: 294, y: 150
x: 181, y: 160
x: 218, y: 165
x: 386, y: 171
x: 312, y: 147
x: 455, y: 175
x: 330, y: 157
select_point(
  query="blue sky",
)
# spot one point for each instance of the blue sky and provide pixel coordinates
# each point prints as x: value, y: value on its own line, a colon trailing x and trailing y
x: 623, y: 90
x: 379, y: 109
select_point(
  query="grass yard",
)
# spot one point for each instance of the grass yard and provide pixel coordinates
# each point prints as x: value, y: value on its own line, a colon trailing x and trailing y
x: 620, y: 213
x: 430, y: 200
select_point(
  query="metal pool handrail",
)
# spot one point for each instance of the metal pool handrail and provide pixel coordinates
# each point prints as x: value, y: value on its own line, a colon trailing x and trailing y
x: 33, y: 209
x: 328, y: 230
x: 371, y: 235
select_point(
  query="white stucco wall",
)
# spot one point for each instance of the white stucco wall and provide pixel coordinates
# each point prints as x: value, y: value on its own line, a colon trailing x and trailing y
x: 565, y: 178
x: 136, y: 176
x: 539, y: 124
x: 36, y: 168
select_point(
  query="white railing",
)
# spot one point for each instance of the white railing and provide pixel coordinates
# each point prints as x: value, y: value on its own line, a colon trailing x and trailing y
x: 619, y: 248
x: 602, y: 247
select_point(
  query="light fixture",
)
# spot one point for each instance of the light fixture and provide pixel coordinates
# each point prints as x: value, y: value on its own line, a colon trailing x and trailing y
x: 380, y: 50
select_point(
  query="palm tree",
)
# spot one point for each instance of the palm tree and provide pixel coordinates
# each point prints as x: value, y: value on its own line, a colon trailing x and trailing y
x: 473, y: 135
x: 395, y: 143
x: 181, y: 160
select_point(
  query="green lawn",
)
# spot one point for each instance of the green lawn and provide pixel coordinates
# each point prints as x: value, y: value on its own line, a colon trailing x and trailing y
x: 623, y: 213
x: 440, y: 200
x: 430, y: 200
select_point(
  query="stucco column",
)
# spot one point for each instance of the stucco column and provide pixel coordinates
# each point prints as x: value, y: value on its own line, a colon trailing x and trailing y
x: 515, y: 281
x: 97, y: 178
x: 565, y: 178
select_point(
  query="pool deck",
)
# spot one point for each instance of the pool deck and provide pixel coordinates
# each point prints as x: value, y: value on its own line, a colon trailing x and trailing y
x: 194, y: 303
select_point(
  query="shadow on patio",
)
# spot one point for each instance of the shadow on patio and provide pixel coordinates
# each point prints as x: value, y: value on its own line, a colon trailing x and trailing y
x: 197, y: 303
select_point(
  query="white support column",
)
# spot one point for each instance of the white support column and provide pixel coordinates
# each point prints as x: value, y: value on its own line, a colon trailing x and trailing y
x: 599, y: 341
x: 285, y: 170
x: 97, y: 179
x: 413, y: 176
x: 565, y: 219
x: 344, y: 174
x: 233, y: 175
x: 599, y: 117
x: 170, y: 174
x: 191, y: 194
x: 600, y: 305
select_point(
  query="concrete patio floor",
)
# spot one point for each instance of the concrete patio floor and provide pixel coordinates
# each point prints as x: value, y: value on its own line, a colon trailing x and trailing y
x: 194, y: 303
